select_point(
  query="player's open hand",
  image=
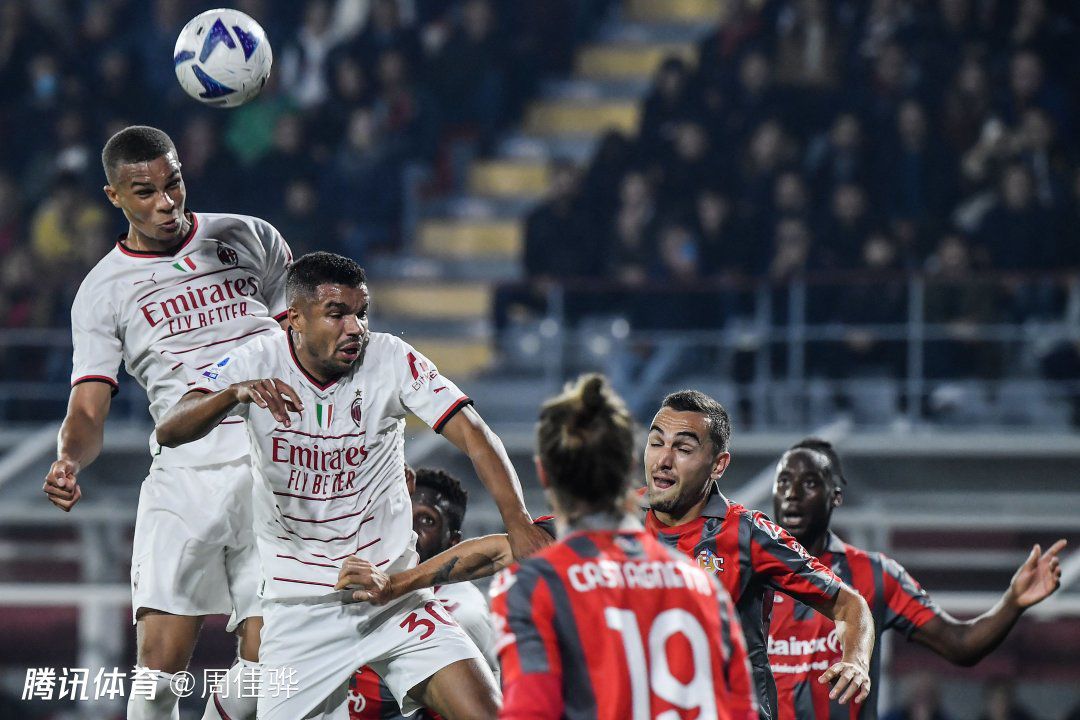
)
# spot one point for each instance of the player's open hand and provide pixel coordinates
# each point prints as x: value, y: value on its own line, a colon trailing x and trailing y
x: 1038, y: 577
x: 372, y: 584
x: 527, y: 539
x: 849, y: 682
x: 271, y: 394
x: 61, y: 486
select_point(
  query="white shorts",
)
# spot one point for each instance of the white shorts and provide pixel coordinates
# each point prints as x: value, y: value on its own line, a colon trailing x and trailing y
x: 194, y: 548
x: 320, y: 645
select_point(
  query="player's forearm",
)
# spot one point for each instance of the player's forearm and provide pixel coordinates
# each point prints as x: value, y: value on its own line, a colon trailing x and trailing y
x: 470, y: 560
x: 495, y: 471
x: 966, y: 642
x: 194, y: 416
x: 854, y: 627
x: 81, y: 438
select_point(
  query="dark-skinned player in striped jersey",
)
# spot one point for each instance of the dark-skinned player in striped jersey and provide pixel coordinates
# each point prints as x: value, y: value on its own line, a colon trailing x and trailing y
x: 809, y: 485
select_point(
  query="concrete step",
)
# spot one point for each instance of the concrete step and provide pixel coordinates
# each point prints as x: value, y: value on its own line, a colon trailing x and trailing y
x: 654, y: 31
x: 578, y: 148
x: 591, y: 89
x: 509, y: 178
x: 472, y: 207
x: 629, y: 60
x: 581, y: 119
x: 447, y: 238
x: 435, y: 300
x: 455, y: 357
x: 675, y: 11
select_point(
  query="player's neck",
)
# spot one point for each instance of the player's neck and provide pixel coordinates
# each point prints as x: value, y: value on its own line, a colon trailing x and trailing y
x: 816, y: 545
x: 613, y: 519
x: 135, y: 240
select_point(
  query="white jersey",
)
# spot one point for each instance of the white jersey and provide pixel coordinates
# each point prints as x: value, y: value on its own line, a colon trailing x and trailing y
x: 333, y: 484
x: 469, y: 607
x: 166, y: 314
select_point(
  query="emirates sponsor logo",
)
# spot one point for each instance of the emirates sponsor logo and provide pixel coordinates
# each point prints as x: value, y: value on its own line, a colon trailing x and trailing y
x: 794, y: 646
x: 194, y: 299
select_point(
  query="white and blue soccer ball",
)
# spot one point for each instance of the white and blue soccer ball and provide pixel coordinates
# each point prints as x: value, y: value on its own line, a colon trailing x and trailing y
x: 222, y: 58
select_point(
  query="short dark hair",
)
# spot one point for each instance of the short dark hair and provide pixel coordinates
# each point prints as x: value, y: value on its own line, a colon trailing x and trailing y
x: 450, y: 488
x: 825, y: 448
x: 699, y: 402
x: 586, y: 442
x: 314, y: 269
x: 134, y: 144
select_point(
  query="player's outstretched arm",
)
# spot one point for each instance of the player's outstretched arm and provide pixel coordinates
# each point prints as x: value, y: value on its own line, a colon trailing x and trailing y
x: 468, y: 431
x: 966, y: 642
x: 850, y: 677
x: 469, y: 560
x: 79, y: 442
x: 199, y: 412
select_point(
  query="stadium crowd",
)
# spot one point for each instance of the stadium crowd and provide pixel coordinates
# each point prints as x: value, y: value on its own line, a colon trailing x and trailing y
x: 809, y: 137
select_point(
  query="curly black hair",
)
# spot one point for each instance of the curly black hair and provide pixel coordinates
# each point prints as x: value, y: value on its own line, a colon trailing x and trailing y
x: 450, y: 488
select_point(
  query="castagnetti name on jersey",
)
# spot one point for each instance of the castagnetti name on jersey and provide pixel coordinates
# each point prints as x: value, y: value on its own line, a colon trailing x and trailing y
x: 199, y: 306
x: 644, y: 574
x: 318, y: 471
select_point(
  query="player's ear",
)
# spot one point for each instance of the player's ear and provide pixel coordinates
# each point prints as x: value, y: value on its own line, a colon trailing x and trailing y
x: 111, y: 194
x: 719, y: 465
x: 455, y: 537
x: 296, y: 320
x: 837, y: 496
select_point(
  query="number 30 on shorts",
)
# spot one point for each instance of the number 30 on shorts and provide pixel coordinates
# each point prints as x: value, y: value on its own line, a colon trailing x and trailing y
x: 414, y: 622
x: 697, y: 693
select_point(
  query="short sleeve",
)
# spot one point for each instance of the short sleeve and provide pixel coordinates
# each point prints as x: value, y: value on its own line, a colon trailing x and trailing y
x: 785, y: 564
x: 425, y: 392
x: 278, y: 259
x: 906, y: 605
x: 230, y: 369
x: 98, y: 350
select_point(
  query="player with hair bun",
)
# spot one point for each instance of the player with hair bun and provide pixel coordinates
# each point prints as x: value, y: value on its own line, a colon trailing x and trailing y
x: 607, y: 622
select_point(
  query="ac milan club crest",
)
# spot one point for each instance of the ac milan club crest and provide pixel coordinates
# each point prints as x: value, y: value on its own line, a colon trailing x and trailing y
x: 227, y: 255
x: 356, y: 409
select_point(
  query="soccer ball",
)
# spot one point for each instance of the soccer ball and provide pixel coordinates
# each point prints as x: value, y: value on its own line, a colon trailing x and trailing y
x: 222, y: 58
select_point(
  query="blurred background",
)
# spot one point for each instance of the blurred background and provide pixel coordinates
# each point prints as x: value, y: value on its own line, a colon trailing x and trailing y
x: 857, y: 218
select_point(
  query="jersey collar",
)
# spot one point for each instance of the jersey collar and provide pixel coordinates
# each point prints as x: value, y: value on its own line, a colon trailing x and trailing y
x: 160, y: 253
x: 835, y: 545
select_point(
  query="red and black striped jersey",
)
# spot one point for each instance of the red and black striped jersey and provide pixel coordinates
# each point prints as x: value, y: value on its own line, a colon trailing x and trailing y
x: 803, y: 643
x: 751, y: 556
x: 611, y: 625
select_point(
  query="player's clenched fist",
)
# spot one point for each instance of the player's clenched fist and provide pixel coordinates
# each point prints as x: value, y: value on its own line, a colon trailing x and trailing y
x: 849, y: 681
x: 271, y: 393
x: 61, y: 486
x: 373, y: 584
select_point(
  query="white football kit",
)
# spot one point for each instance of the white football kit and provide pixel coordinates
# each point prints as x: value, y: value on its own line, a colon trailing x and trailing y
x: 330, y: 486
x: 165, y: 315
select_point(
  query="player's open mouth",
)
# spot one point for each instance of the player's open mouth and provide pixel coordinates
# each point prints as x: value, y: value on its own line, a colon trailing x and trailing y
x: 792, y: 518
x: 171, y: 226
x: 662, y: 483
x: 350, y: 351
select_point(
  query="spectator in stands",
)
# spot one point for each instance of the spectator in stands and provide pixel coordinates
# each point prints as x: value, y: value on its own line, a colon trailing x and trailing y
x: 385, y: 31
x: 847, y: 226
x: 10, y: 215
x: 966, y: 106
x: 1035, y: 143
x: 289, y: 157
x: 810, y: 59
x: 690, y: 165
x: 600, y: 186
x: 363, y: 180
x: 632, y: 231
x: 560, y: 246
x: 665, y: 109
x: 303, y: 220
x: 1000, y: 702
x: 790, y: 196
x: 468, y: 73
x: 922, y: 701
x: 752, y: 102
x: 1017, y: 232
x: 792, y: 250
x: 68, y: 225
x: 768, y: 153
x: 209, y: 167
x: 914, y: 181
x: 304, y: 57
x: 838, y: 157
x: 722, y: 250
x: 350, y: 86
x: 880, y: 95
x: 404, y: 111
x: 958, y: 299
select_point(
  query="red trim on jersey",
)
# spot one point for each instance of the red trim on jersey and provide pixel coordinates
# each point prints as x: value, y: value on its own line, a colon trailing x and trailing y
x: 313, y: 539
x: 231, y: 422
x: 200, y: 347
x: 305, y: 562
x: 454, y: 410
x: 160, y: 253
x: 340, y: 517
x: 204, y: 391
x: 302, y: 582
x: 380, y: 564
x: 221, y: 711
x: 281, y: 315
x: 321, y: 437
x: 305, y: 373
x: 97, y: 378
